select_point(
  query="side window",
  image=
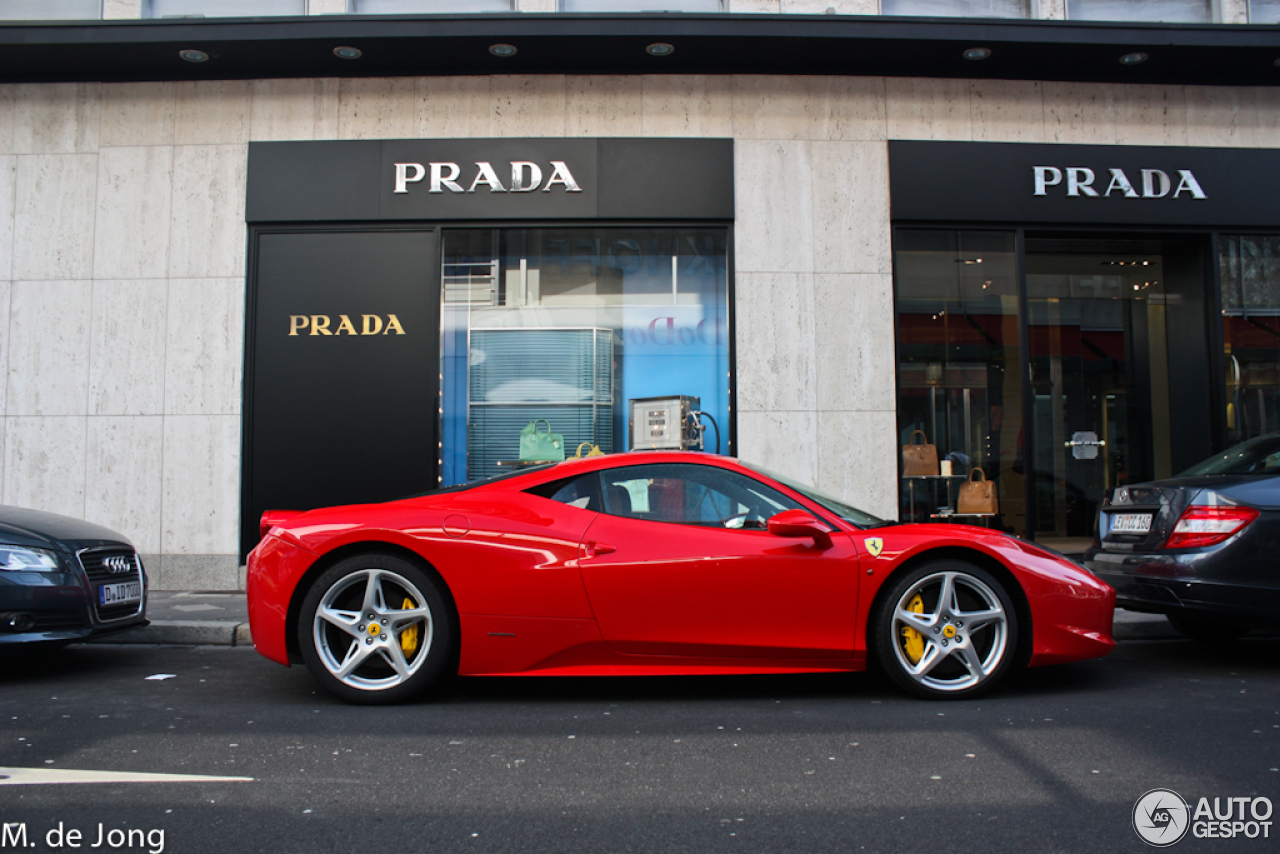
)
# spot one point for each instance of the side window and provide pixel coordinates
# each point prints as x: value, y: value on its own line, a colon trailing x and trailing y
x: 582, y: 492
x: 689, y: 494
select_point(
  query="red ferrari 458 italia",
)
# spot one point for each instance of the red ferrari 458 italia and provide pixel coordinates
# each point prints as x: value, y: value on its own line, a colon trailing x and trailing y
x: 656, y: 564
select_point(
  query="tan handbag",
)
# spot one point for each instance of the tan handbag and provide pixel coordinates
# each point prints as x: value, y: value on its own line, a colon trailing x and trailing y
x: 977, y: 496
x: 919, y: 459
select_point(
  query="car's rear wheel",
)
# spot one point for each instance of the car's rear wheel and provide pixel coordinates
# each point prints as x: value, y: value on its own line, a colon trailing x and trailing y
x: 945, y: 629
x: 375, y: 628
x: 1207, y: 629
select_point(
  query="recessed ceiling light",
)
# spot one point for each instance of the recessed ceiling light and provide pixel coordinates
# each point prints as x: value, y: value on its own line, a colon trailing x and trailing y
x: 660, y: 49
x: 192, y: 55
x: 348, y: 52
x: 502, y: 49
x: 1135, y: 58
x: 977, y: 53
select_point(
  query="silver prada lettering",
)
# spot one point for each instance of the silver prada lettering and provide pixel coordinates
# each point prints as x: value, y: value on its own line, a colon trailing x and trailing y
x: 526, y: 177
x: 1156, y: 183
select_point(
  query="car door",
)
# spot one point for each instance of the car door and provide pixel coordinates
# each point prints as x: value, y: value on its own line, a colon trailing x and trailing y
x: 679, y: 563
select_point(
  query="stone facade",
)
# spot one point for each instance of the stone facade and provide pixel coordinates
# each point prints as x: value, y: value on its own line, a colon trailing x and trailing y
x: 122, y: 258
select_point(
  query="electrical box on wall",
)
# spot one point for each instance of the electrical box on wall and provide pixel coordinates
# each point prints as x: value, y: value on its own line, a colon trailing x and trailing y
x: 664, y: 423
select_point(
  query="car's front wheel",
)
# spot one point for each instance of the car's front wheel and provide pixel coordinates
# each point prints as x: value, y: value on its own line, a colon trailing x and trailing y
x: 945, y: 629
x: 375, y: 628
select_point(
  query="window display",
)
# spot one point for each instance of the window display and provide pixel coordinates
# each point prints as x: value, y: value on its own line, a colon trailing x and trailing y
x: 1250, y: 268
x: 559, y: 328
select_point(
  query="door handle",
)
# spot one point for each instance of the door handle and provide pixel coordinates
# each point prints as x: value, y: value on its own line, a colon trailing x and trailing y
x: 593, y: 549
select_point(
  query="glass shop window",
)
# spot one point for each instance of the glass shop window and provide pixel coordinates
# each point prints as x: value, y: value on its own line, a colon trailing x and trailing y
x: 1264, y: 11
x: 50, y: 10
x: 1249, y: 265
x: 548, y: 333
x: 957, y: 8
x: 642, y: 6
x: 222, y: 8
x: 428, y: 7
x: 1166, y: 11
x: 959, y: 381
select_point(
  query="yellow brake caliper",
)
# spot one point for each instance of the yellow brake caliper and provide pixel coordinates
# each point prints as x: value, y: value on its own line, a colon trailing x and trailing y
x: 912, y: 640
x: 409, y: 637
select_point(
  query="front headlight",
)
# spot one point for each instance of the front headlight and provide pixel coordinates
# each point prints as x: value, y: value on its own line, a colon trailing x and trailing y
x: 21, y: 558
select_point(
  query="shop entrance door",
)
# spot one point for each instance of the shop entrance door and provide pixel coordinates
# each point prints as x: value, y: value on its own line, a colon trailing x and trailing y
x: 1119, y: 372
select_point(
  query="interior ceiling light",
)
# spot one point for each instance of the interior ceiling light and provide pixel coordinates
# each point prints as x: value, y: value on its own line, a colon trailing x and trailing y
x: 502, y: 49
x: 1135, y: 58
x: 977, y: 53
x: 660, y: 49
x: 348, y: 52
x: 192, y: 55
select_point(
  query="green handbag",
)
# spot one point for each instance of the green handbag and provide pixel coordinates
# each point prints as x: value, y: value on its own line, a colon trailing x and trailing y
x: 540, y: 447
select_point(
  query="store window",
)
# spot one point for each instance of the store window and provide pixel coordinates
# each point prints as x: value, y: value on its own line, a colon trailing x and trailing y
x: 50, y: 10
x: 1249, y: 266
x: 957, y: 8
x: 561, y: 327
x: 642, y: 5
x: 1264, y: 11
x: 959, y: 382
x: 1168, y: 11
x: 222, y: 8
x: 428, y: 7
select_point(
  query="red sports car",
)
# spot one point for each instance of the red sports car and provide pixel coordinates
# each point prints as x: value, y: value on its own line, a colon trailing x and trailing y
x: 656, y: 564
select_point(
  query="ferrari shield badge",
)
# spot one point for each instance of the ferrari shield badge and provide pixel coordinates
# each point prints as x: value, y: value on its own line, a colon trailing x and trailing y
x: 875, y: 545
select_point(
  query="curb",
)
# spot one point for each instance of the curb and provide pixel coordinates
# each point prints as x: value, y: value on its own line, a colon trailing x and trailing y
x: 185, y: 633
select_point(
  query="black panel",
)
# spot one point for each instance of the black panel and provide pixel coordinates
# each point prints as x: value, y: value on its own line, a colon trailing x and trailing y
x: 995, y: 182
x: 341, y: 418
x: 615, y: 44
x: 1187, y: 318
x: 629, y: 179
x: 666, y: 178
x: 321, y: 181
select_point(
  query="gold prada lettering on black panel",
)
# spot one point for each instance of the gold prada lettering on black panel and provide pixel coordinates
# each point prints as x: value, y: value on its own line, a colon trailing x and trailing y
x: 323, y: 324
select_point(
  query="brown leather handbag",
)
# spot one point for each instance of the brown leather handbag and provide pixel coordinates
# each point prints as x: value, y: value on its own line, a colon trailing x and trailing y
x: 919, y: 459
x: 977, y: 496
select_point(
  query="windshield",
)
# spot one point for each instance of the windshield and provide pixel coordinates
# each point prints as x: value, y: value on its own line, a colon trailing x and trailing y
x: 1256, y: 456
x: 844, y: 511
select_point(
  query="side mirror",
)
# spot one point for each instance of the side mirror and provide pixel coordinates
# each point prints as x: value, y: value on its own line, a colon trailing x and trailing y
x: 799, y: 523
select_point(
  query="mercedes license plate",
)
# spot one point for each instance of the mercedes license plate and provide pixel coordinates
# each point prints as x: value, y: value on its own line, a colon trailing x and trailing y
x: 1131, y: 523
x: 120, y: 594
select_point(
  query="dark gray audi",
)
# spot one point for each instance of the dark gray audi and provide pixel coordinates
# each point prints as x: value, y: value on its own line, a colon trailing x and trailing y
x: 1202, y: 548
x: 64, y: 580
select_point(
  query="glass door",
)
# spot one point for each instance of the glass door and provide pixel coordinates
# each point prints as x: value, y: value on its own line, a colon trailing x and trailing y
x: 1099, y: 377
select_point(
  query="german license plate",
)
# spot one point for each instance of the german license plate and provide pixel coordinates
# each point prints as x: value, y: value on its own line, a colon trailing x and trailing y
x: 1131, y: 523
x: 120, y: 594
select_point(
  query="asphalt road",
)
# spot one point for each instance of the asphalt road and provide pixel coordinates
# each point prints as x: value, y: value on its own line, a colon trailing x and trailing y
x: 1053, y: 762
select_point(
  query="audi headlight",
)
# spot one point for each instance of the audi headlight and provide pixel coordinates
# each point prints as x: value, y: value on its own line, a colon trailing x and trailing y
x: 23, y: 559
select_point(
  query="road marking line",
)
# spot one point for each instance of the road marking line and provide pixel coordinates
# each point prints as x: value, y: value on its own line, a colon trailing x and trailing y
x: 50, y: 776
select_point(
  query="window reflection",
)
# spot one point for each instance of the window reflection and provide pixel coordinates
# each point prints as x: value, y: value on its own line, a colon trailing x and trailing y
x: 1250, y: 272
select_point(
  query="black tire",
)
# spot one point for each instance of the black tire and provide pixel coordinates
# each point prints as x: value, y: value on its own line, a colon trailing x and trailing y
x: 378, y: 660
x: 950, y: 652
x: 1207, y: 629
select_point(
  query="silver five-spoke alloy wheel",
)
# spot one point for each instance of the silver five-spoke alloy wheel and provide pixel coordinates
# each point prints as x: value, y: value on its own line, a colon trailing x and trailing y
x: 948, y: 629
x: 372, y: 631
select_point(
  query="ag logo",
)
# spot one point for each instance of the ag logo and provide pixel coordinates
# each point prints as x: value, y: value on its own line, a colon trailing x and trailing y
x: 1160, y: 817
x: 875, y: 545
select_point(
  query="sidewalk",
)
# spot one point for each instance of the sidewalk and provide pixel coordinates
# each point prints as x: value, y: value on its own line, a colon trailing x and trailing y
x: 222, y: 619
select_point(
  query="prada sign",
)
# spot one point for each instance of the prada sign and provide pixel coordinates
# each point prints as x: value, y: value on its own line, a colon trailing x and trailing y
x: 322, y: 324
x: 525, y: 177
x: 1156, y: 183
x: 444, y: 180
x: 1084, y: 185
